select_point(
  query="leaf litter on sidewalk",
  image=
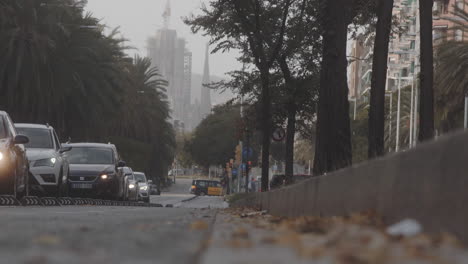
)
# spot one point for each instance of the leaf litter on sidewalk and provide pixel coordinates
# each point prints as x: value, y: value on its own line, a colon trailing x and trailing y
x: 358, y: 238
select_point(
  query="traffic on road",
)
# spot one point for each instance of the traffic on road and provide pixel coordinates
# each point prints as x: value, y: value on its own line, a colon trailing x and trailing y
x: 34, y: 162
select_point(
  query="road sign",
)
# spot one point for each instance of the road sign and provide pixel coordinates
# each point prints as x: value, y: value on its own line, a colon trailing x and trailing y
x: 247, y: 153
x: 279, y: 134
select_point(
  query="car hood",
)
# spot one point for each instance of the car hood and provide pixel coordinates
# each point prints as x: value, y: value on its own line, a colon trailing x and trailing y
x: 86, y: 169
x: 38, y: 154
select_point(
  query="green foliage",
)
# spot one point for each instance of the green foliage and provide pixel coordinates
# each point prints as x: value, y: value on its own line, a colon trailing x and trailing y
x: 215, y: 139
x: 58, y: 67
x: 451, y: 80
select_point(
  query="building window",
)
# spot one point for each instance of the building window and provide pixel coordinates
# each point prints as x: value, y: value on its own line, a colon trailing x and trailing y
x: 461, y: 4
x: 458, y: 35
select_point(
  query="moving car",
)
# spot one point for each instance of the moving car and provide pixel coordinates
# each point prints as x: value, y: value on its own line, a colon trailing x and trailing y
x: 130, y: 185
x: 143, y: 187
x: 47, y: 165
x: 95, y: 171
x: 154, y: 188
x: 206, y: 187
x: 14, y: 166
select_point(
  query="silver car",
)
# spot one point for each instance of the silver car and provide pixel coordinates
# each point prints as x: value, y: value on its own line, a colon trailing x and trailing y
x: 130, y: 185
x: 143, y: 187
x: 47, y: 164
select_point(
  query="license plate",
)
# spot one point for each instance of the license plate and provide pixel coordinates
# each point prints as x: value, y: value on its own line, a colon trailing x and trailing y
x: 82, y: 186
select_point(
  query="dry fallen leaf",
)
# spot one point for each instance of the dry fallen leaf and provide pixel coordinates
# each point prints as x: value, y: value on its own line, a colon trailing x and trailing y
x: 199, y: 225
x: 49, y: 240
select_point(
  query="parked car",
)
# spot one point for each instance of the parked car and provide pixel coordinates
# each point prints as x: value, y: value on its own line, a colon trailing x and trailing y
x: 143, y: 187
x: 206, y: 187
x: 14, y: 165
x: 47, y: 165
x: 130, y: 185
x: 154, y: 188
x: 95, y: 171
x: 279, y: 180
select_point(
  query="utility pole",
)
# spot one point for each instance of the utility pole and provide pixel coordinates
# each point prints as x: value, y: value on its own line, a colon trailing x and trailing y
x: 397, y: 147
x: 466, y: 111
x: 246, y: 162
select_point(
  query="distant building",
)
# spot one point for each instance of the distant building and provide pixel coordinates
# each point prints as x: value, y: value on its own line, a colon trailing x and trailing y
x: 205, y: 105
x: 404, y: 48
x: 169, y: 54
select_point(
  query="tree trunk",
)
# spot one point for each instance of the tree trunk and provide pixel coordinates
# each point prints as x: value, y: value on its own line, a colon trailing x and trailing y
x: 289, y: 154
x: 266, y: 129
x: 379, y: 76
x: 426, y: 99
x: 333, y: 143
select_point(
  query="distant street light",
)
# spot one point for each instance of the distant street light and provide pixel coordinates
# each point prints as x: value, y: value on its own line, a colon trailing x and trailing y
x: 466, y: 111
x: 355, y: 106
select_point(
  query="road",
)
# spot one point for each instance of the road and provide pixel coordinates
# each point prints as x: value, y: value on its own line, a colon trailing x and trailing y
x: 95, y: 234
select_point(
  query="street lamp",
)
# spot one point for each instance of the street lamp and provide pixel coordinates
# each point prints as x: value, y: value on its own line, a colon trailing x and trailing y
x: 390, y: 94
x: 466, y: 111
x: 355, y: 106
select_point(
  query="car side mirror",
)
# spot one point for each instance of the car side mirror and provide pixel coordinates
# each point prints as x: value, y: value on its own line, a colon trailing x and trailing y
x: 121, y: 164
x: 65, y: 149
x: 21, y: 139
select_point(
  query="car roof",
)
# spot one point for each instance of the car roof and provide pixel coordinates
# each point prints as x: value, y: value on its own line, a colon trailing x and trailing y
x: 137, y: 172
x: 23, y: 125
x: 100, y: 145
x: 3, y: 113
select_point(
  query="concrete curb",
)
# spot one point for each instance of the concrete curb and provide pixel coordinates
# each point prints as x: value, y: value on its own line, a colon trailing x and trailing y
x: 427, y: 183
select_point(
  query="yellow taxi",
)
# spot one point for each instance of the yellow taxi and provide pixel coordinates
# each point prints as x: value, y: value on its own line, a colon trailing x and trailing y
x: 206, y: 187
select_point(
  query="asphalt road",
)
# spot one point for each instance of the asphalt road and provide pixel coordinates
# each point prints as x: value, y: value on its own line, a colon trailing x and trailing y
x: 94, y: 234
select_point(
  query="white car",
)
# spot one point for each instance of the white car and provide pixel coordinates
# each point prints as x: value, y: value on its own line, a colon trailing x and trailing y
x: 130, y: 185
x: 47, y: 165
x: 143, y: 187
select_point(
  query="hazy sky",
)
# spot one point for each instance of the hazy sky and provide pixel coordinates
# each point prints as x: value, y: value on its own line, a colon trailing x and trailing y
x: 140, y: 18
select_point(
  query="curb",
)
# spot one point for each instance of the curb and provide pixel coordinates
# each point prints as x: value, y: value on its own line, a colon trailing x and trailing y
x: 50, y: 201
x: 8, y: 200
x: 189, y: 199
x: 31, y: 201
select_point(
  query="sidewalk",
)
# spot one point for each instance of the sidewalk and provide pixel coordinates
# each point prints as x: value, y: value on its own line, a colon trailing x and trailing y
x: 252, y: 237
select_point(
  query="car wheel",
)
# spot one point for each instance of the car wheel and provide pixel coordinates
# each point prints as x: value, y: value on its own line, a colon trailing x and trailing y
x: 146, y: 200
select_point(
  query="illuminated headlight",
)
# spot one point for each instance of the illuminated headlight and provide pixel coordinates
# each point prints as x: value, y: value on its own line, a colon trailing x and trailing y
x: 131, y: 186
x: 46, y: 162
x: 144, y: 188
x: 104, y: 176
x: 1, y: 156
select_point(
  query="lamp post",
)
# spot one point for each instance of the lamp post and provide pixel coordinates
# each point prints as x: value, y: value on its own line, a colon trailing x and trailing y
x: 397, y: 140
x: 390, y: 94
x: 466, y: 111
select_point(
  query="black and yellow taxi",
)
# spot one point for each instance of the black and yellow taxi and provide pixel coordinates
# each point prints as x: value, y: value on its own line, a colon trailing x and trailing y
x: 206, y: 187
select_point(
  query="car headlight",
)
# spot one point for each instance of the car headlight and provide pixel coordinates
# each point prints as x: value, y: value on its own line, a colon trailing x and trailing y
x: 131, y: 186
x: 1, y: 156
x: 46, y: 162
x: 144, y: 188
x: 104, y: 176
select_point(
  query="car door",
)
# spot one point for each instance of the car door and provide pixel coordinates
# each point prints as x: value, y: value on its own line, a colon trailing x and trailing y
x: 22, y: 163
x: 214, y: 188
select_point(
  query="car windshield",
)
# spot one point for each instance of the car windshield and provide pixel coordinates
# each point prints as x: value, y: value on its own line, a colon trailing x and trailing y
x: 139, y: 177
x: 90, y: 155
x: 3, y: 133
x: 38, y: 137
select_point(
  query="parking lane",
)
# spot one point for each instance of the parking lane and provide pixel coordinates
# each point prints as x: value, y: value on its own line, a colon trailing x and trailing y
x: 81, y: 234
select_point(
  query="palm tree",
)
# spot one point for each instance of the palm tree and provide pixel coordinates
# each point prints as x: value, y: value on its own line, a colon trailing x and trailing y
x: 452, y: 75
